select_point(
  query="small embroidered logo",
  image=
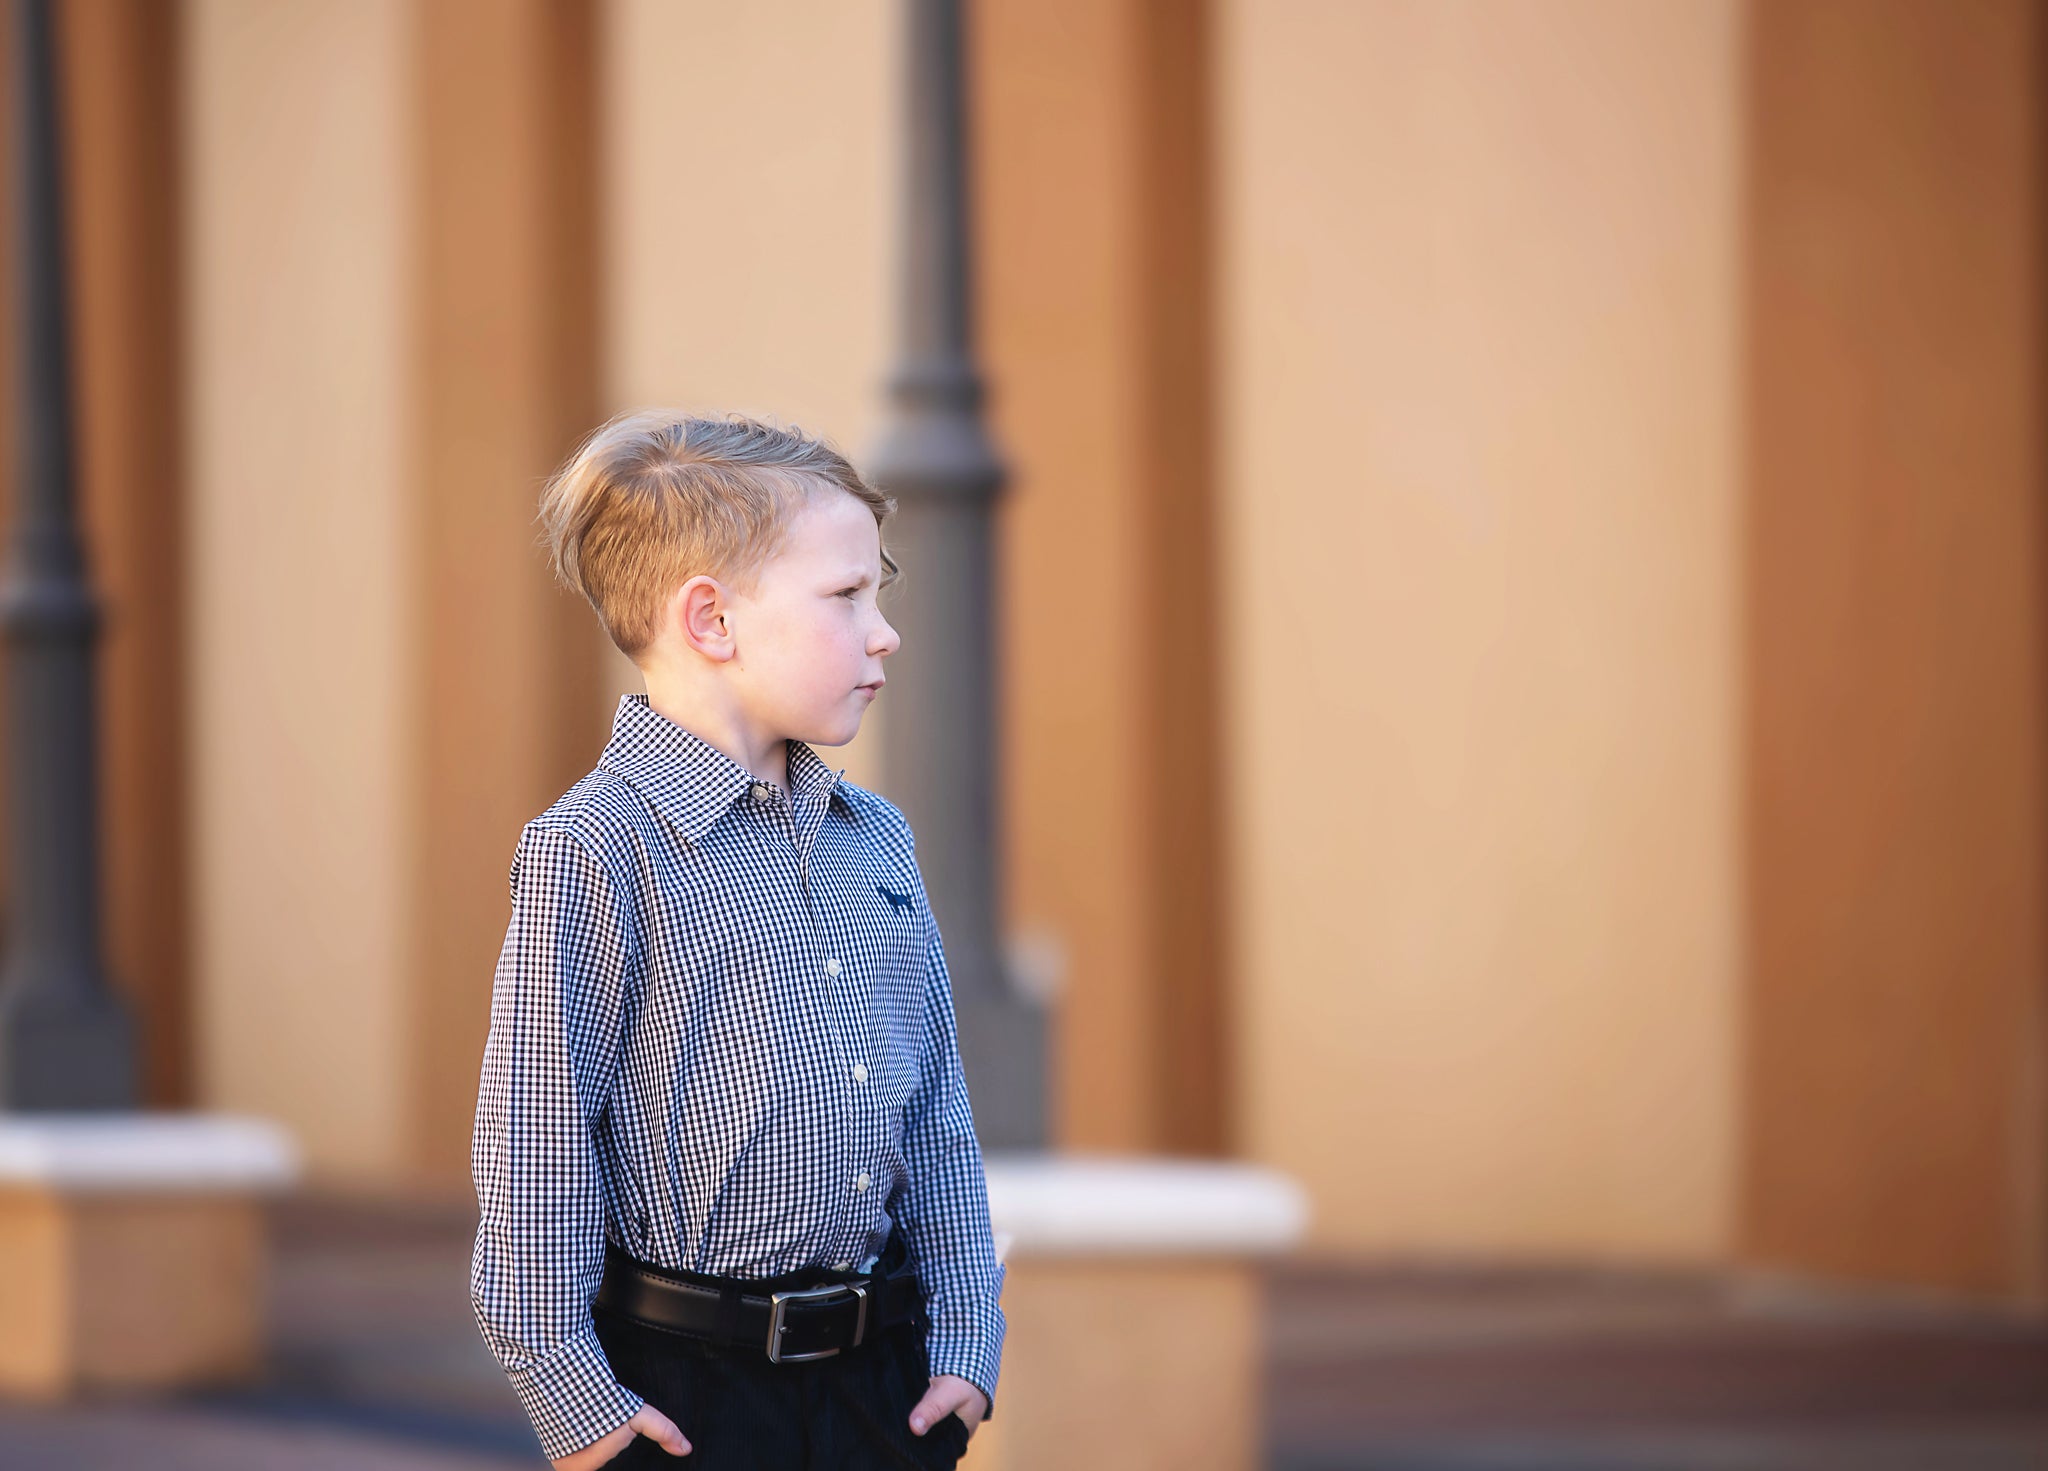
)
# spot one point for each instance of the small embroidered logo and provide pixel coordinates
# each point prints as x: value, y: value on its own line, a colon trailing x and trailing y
x: 901, y: 901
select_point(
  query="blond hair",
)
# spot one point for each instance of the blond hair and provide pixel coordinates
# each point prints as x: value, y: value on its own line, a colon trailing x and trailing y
x: 653, y: 498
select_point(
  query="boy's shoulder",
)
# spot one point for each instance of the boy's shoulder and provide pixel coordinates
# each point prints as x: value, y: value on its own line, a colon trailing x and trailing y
x: 883, y: 819
x: 867, y: 802
x: 600, y: 813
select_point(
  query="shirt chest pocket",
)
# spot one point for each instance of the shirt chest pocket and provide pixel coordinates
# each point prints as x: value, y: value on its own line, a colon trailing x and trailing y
x: 894, y: 935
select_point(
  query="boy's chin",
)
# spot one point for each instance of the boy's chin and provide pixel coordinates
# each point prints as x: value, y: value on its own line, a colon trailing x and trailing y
x: 834, y: 732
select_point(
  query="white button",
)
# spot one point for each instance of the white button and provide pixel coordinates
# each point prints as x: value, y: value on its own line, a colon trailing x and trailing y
x: 860, y: 1181
x: 831, y: 965
x: 842, y: 1266
x: 860, y: 1072
x: 760, y: 791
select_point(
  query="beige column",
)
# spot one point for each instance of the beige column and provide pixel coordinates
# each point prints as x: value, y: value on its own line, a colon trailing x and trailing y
x: 1894, y: 1094
x: 509, y: 710
x: 301, y: 389
x: 1094, y: 235
x: 1479, y: 290
x: 394, y: 341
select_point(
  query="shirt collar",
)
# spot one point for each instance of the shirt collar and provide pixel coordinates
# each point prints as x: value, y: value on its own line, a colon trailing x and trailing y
x: 690, y: 780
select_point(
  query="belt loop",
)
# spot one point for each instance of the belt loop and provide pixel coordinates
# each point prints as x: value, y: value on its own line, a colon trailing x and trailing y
x: 729, y: 1312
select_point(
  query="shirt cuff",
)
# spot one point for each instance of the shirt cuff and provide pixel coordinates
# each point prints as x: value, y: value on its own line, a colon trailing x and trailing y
x: 967, y: 1356
x: 571, y: 1396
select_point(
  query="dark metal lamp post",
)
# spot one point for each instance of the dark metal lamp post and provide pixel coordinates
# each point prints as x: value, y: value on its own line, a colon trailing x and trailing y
x: 66, y: 1041
x: 935, y: 457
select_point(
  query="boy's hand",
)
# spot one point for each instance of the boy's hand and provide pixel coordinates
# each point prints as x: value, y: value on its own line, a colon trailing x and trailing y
x: 949, y: 1392
x: 646, y: 1421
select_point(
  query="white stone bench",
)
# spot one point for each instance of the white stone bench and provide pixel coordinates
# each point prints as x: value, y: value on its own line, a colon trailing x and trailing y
x: 135, y: 1247
x: 1134, y: 1312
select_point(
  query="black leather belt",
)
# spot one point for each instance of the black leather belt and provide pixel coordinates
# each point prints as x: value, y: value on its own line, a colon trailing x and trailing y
x: 794, y: 1323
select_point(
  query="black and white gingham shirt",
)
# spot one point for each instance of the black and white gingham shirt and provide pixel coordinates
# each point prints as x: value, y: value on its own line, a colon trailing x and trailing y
x: 722, y: 1034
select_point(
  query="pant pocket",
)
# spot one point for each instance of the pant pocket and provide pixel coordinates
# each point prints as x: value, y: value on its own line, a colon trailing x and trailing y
x: 662, y: 1369
x: 945, y: 1440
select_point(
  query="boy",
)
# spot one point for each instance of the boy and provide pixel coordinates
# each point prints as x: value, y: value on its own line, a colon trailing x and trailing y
x: 731, y: 1201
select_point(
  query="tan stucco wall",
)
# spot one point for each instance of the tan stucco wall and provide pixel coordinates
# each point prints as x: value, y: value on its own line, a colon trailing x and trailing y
x: 1479, y: 334
x: 1476, y: 398
x: 297, y: 401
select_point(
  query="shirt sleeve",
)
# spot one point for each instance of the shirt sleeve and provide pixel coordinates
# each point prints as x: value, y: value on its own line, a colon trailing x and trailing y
x: 944, y: 1211
x: 549, y: 1060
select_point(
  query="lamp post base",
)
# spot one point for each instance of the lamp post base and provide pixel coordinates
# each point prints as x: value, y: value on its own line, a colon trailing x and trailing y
x: 65, y: 1050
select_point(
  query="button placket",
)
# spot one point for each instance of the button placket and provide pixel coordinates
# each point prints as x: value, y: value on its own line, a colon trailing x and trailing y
x: 850, y: 1107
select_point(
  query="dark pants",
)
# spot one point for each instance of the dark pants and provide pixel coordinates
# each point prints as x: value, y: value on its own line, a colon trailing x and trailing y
x: 848, y: 1412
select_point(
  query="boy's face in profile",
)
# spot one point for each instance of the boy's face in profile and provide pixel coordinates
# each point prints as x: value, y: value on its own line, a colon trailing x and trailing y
x: 809, y: 639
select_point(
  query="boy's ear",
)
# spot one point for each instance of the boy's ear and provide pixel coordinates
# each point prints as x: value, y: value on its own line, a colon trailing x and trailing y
x: 699, y: 613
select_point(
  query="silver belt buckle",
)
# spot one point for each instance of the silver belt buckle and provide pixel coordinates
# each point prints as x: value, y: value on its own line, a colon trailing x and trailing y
x: 778, y: 1302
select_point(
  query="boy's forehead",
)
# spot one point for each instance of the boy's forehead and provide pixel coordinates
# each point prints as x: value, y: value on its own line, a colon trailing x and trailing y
x: 834, y: 531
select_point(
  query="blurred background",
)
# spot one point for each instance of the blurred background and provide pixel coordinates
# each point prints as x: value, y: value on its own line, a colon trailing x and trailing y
x: 1519, y: 599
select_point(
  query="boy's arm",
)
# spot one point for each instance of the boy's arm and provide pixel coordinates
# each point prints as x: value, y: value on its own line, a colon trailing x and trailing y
x: 548, y: 1066
x: 944, y: 1211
